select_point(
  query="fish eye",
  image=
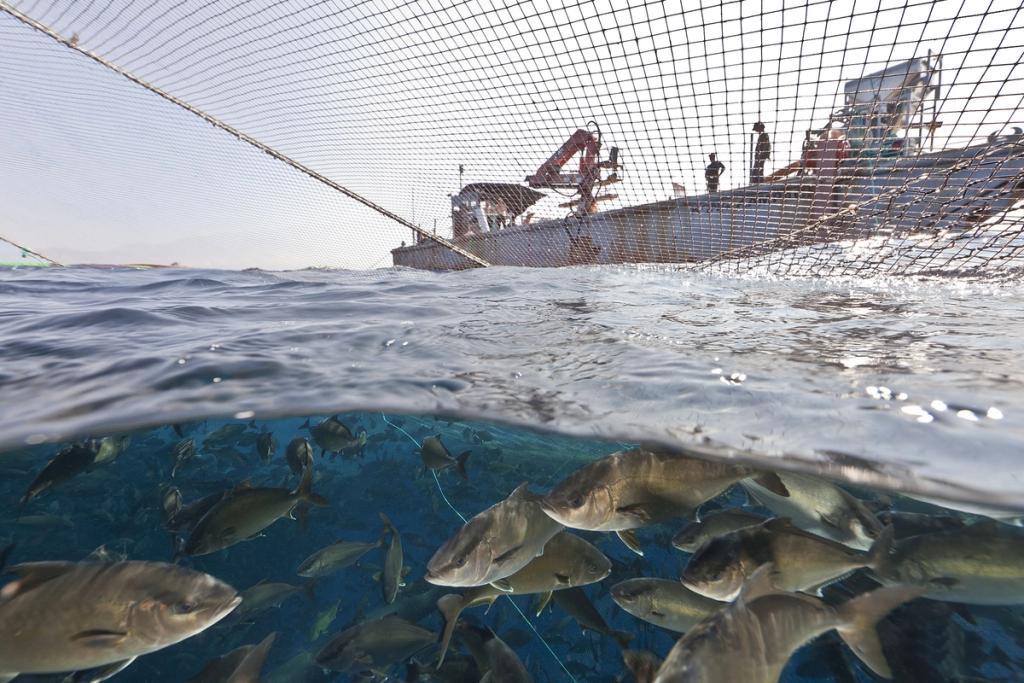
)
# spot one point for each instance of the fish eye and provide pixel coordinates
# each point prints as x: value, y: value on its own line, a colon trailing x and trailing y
x: 576, y: 502
x: 184, y: 607
x: 460, y: 562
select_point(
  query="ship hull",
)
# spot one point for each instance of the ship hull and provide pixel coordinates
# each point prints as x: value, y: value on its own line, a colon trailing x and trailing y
x: 897, y: 196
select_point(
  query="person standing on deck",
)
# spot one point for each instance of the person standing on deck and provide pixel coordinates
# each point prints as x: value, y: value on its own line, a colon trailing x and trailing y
x: 713, y: 172
x: 762, y: 152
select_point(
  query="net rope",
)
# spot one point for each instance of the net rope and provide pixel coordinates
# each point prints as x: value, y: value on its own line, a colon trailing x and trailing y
x: 892, y: 141
x: 465, y: 520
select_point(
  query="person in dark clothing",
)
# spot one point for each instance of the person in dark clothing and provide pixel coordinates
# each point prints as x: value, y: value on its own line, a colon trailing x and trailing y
x: 713, y: 172
x: 762, y: 152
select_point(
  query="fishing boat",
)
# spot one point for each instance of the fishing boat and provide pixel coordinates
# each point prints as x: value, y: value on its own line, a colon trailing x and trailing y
x: 865, y: 172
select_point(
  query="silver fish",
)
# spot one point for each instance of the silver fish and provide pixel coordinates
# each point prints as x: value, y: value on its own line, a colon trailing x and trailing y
x: 496, y: 543
x: 265, y: 595
x: 802, y: 561
x: 183, y: 452
x: 664, y: 603
x: 982, y: 564
x: 66, y: 616
x: 691, y: 537
x: 394, y: 570
x: 335, y: 557
x: 266, y: 446
x: 334, y: 436
x: 374, y: 645
x: 637, y: 488
x: 752, y: 639
x: 69, y: 462
x: 567, y: 562
x: 110, y: 447
x: 436, y: 456
x: 299, y: 455
x: 818, y: 506
x: 245, y: 512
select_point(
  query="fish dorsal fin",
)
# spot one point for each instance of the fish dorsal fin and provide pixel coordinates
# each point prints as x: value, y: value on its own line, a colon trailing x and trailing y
x: 31, y: 575
x: 242, y: 485
x: 522, y: 491
x: 771, y: 482
x: 760, y: 583
x: 864, y: 514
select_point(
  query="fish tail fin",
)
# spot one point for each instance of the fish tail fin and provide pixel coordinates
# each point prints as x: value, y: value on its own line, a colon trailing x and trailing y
x: 878, y: 555
x: 304, y: 425
x: 858, y: 618
x: 363, y: 436
x: 450, y: 606
x: 622, y: 638
x: 460, y: 464
x: 305, y: 490
x: 388, y: 526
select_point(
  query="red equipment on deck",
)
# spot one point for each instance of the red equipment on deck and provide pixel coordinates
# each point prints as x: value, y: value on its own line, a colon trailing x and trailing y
x: 589, y: 175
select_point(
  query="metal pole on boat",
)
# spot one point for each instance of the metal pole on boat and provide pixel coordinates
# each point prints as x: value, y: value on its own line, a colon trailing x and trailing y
x: 750, y: 165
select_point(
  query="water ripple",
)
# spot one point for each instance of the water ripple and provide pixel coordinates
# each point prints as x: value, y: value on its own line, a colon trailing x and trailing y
x: 905, y: 384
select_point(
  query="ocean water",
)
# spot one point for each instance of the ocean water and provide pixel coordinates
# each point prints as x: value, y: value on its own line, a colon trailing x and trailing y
x: 896, y: 390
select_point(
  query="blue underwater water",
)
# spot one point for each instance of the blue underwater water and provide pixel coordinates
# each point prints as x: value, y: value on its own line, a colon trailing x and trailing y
x: 885, y: 387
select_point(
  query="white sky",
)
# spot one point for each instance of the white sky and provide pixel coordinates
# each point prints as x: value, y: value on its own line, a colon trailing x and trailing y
x: 388, y: 98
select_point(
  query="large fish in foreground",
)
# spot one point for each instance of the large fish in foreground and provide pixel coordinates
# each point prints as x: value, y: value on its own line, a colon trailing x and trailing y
x: 496, y: 543
x: 66, y: 616
x: 637, y: 488
x: 819, y: 506
x: 752, y: 639
x: 244, y: 512
x: 982, y: 564
x: 801, y: 561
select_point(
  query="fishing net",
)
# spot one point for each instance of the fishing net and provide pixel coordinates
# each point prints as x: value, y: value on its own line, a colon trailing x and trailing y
x: 853, y: 138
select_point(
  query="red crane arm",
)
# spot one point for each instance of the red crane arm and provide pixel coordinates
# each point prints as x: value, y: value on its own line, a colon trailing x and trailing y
x: 550, y: 172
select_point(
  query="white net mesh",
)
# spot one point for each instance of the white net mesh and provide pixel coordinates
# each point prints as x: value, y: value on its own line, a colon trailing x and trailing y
x: 885, y: 126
